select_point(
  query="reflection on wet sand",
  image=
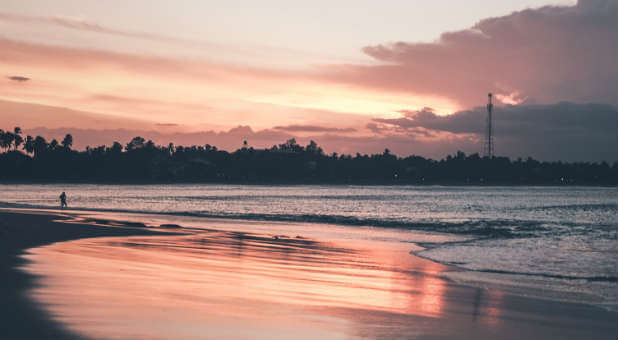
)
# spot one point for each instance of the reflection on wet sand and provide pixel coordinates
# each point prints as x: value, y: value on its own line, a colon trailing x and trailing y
x: 214, y: 284
x: 487, y: 307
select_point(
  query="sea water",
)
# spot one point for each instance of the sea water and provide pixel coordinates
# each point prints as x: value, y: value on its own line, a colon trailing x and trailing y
x: 556, y: 243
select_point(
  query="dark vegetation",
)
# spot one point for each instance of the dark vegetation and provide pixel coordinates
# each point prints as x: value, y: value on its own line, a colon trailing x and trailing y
x: 141, y: 161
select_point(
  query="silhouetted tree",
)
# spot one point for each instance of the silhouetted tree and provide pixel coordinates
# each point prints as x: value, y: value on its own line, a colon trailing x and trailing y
x: 53, y: 145
x: 290, y: 146
x: 29, y: 144
x: 116, y: 148
x: 40, y: 146
x: 6, y: 139
x: 284, y: 163
x: 18, y: 140
x: 135, y: 143
x: 67, y: 142
x: 313, y: 148
x: 2, y: 141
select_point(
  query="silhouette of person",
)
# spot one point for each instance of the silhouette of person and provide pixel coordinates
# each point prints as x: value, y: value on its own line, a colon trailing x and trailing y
x: 63, y: 200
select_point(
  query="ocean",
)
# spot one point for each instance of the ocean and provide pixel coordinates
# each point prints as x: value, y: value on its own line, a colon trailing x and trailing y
x: 557, y: 243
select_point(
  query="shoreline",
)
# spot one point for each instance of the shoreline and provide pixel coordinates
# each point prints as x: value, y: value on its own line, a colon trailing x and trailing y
x: 557, y: 295
x: 23, y: 318
x: 454, y: 184
x: 611, y: 307
x: 67, y: 227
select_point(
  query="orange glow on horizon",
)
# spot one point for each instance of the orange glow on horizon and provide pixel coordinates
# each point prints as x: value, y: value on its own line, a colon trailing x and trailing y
x: 192, y: 92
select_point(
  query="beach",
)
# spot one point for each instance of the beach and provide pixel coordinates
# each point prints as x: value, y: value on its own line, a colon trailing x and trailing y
x: 70, y: 276
x: 21, y: 317
x: 375, y: 170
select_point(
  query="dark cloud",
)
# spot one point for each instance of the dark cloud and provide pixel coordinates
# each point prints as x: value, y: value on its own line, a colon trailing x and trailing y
x: 564, y: 131
x: 549, y: 54
x: 460, y: 122
x: 312, y: 128
x: 19, y: 78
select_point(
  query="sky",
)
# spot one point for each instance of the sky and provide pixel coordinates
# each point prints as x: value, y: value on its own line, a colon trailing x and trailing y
x: 355, y: 76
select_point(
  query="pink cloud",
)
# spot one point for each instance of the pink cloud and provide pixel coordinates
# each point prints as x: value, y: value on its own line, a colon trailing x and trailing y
x: 312, y: 128
x: 548, y: 54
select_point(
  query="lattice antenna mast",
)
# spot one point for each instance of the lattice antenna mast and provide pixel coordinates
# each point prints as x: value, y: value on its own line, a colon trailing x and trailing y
x: 489, y: 138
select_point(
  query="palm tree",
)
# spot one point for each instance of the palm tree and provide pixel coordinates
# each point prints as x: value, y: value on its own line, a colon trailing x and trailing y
x: 40, y: 145
x: 2, y: 139
x: 7, y: 139
x: 53, y: 145
x: 18, y: 138
x: 29, y: 144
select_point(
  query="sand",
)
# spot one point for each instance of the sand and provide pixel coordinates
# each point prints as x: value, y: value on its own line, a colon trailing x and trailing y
x: 113, y: 281
x: 20, y: 317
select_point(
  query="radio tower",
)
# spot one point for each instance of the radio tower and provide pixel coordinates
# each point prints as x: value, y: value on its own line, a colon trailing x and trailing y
x: 489, y: 139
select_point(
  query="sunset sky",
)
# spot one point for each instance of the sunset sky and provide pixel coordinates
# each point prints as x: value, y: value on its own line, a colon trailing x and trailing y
x: 356, y: 76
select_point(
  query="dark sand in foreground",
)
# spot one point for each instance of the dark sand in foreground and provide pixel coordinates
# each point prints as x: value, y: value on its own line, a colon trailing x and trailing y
x: 20, y: 317
x: 314, y: 279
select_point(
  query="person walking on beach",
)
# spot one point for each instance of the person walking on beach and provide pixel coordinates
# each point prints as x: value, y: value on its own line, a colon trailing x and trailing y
x: 63, y: 200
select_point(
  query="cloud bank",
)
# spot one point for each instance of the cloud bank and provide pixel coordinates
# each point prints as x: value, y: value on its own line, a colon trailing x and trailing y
x: 312, y: 128
x: 544, y: 55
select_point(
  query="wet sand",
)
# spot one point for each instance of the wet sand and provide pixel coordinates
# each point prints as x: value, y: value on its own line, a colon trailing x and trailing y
x: 116, y: 282
x: 20, y: 316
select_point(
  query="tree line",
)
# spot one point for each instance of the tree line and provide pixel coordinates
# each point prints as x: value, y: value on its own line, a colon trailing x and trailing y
x: 139, y: 161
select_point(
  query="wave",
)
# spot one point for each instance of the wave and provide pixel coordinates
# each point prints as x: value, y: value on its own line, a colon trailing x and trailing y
x: 490, y: 229
x: 585, y: 207
x: 552, y: 276
x: 461, y: 265
x: 279, y: 196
